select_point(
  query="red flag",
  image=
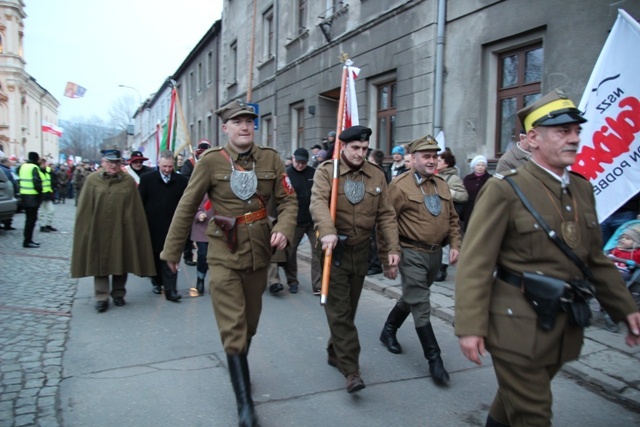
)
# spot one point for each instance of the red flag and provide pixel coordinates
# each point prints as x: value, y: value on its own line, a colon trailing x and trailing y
x: 51, y: 128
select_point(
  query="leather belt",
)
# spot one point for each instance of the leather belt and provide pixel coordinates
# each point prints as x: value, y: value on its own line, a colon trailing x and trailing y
x: 514, y: 279
x: 250, y: 217
x: 425, y: 246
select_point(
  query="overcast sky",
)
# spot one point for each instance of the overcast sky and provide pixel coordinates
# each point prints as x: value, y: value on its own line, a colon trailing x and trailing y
x: 100, y: 45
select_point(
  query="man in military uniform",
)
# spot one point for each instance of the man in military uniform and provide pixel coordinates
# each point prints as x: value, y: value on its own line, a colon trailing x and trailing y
x: 491, y: 312
x: 240, y: 179
x: 427, y: 220
x: 362, y: 204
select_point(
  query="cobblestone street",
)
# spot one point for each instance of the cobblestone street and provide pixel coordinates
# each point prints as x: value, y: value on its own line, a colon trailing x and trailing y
x: 36, y: 295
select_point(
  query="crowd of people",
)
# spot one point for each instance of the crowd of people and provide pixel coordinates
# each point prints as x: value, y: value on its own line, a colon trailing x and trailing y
x: 247, y: 211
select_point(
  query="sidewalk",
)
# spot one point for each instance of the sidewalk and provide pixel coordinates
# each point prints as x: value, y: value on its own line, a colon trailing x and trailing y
x: 605, y: 362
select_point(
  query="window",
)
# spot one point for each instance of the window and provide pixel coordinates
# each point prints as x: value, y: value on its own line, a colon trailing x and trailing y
x: 200, y: 135
x: 233, y: 61
x: 297, y: 126
x: 192, y: 84
x: 519, y: 85
x: 267, y: 137
x: 301, y: 16
x: 386, y: 116
x: 267, y: 33
x: 201, y: 77
x: 209, y: 67
x: 209, y: 136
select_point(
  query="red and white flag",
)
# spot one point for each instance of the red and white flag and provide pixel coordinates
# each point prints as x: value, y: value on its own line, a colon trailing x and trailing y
x: 51, y: 128
x: 351, y: 103
x: 609, y: 154
x: 74, y: 90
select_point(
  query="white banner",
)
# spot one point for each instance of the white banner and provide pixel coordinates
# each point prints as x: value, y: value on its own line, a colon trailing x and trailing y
x: 609, y: 153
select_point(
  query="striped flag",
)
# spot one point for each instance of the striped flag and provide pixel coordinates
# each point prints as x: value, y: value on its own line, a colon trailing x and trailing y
x: 51, y: 128
x: 175, y: 136
x: 351, y: 103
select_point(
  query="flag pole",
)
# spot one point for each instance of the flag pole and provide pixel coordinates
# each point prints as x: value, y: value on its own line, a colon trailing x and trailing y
x: 333, y: 203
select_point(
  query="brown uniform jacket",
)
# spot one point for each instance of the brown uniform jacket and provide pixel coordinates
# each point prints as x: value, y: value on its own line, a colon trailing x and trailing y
x: 111, y: 234
x: 415, y: 222
x: 502, y: 232
x: 354, y: 221
x: 212, y: 176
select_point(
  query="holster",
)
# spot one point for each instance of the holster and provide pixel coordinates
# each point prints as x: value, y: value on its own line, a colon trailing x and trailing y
x: 228, y: 225
x: 338, y: 251
x: 543, y: 293
x: 575, y: 302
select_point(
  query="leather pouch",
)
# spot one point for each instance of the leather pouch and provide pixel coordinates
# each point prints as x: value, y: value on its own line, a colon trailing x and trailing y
x: 543, y: 293
x: 576, y: 302
x: 228, y: 225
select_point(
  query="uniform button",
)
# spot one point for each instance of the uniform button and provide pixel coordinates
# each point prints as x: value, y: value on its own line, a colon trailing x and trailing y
x: 536, y: 226
x: 568, y: 208
x: 226, y: 177
x: 378, y: 190
x: 509, y: 311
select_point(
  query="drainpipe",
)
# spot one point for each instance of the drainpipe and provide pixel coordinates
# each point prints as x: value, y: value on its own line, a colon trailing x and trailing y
x: 439, y: 70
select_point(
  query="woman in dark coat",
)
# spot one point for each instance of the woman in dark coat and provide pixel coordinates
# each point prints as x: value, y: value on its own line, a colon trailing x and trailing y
x: 473, y: 183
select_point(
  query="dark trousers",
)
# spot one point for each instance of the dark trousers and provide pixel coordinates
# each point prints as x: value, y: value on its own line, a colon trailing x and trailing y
x: 201, y: 265
x: 31, y: 216
x: 164, y: 276
x: 188, y: 250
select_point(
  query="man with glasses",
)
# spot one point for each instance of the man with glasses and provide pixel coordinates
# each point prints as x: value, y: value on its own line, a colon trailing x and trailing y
x: 111, y: 237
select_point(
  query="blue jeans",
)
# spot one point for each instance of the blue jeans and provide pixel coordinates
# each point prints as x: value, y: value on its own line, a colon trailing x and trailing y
x: 201, y: 264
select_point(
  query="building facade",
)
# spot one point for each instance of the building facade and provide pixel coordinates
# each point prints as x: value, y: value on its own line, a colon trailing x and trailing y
x: 24, y: 104
x: 461, y: 66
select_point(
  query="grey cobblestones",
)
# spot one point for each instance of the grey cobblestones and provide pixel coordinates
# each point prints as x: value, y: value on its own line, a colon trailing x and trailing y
x: 36, y: 295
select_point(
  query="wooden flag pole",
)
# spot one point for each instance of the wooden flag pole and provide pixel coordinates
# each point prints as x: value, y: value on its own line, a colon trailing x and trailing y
x: 333, y: 203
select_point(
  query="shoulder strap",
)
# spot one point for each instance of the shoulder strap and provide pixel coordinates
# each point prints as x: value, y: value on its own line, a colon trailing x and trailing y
x: 552, y: 234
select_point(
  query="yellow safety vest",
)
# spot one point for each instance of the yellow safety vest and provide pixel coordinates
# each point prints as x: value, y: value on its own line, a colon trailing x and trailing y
x: 46, y: 180
x: 26, y: 179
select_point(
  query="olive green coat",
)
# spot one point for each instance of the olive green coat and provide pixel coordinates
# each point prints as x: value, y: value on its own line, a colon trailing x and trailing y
x: 111, y: 234
x: 502, y: 232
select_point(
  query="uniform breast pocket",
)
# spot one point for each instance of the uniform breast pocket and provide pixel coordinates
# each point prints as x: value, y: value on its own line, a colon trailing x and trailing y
x: 591, y: 222
x: 531, y: 236
x: 265, y: 181
x: 371, y: 201
x: 224, y: 188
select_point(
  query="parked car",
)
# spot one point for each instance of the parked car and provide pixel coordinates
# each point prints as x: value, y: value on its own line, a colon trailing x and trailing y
x: 8, y: 203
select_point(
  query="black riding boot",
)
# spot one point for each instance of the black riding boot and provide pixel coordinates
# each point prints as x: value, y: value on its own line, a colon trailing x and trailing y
x: 396, y: 318
x: 492, y: 422
x: 432, y: 354
x: 239, y: 372
x: 200, y: 286
x: 442, y: 273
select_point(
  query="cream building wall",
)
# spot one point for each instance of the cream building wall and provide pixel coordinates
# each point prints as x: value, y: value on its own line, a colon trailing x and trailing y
x: 23, y: 102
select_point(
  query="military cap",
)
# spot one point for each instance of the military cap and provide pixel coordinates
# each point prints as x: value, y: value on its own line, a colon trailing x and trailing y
x: 234, y: 109
x: 355, y: 133
x: 423, y: 144
x: 112, y: 155
x: 553, y: 109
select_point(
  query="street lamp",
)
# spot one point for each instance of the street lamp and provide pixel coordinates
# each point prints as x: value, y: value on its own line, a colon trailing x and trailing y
x: 137, y: 91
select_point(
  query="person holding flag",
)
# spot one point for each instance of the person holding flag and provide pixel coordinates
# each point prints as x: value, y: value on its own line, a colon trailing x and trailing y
x: 362, y: 205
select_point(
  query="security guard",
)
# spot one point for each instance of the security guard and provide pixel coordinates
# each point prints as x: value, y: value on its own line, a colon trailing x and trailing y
x: 362, y: 204
x: 427, y: 220
x: 31, y: 194
x: 240, y: 179
x: 491, y: 312
x: 45, y: 213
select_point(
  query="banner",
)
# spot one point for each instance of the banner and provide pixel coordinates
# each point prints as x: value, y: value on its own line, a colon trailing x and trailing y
x: 351, y: 117
x: 51, y: 128
x: 74, y: 90
x: 609, y: 154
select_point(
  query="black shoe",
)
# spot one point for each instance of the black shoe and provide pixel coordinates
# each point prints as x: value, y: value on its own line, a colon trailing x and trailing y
x: 442, y: 273
x: 119, y: 301
x: 44, y: 230
x: 173, y: 296
x: 157, y: 289
x: 30, y: 245
x: 431, y: 351
x: 200, y: 286
x: 101, y: 306
x: 332, y: 358
x: 241, y: 382
x: 9, y: 228
x: 50, y: 228
x: 189, y: 262
x: 396, y: 318
x: 275, y: 288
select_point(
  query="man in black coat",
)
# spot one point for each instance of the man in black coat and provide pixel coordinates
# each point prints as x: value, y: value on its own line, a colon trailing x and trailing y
x: 301, y: 177
x: 160, y: 192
